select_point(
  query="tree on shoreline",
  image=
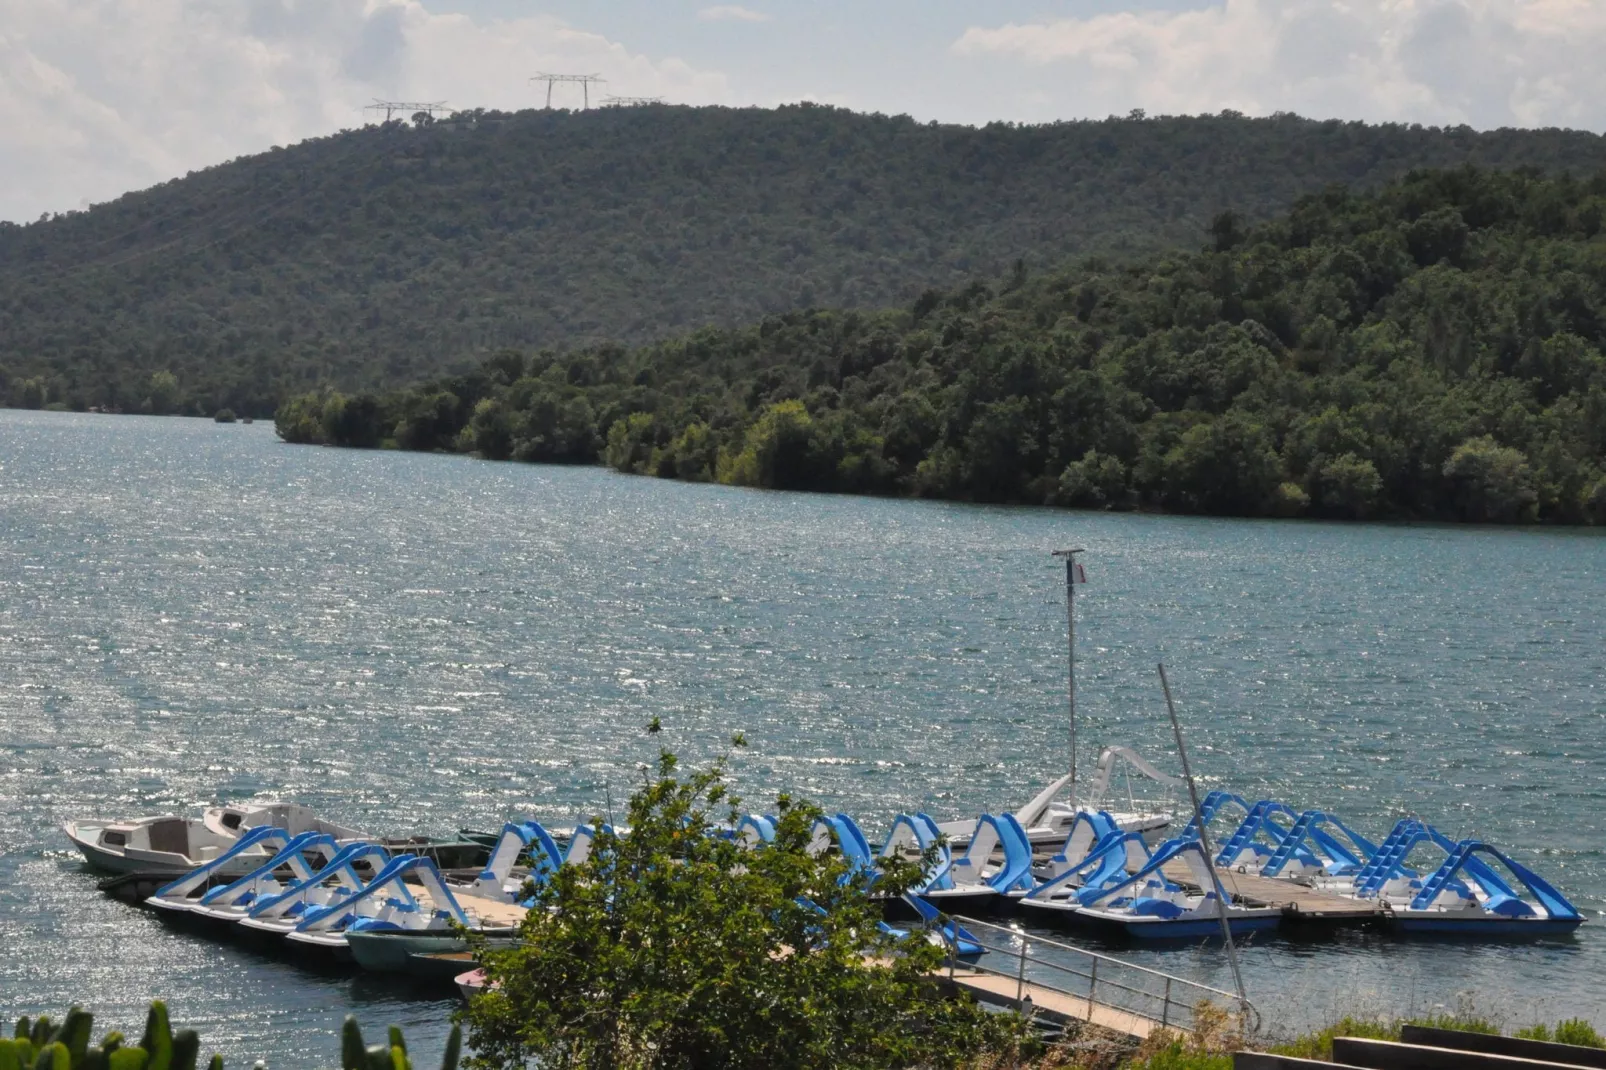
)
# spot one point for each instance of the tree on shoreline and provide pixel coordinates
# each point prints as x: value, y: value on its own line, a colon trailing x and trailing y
x: 679, y: 946
x: 1436, y: 350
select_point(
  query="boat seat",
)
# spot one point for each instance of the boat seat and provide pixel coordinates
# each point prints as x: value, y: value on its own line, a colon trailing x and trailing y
x: 171, y: 836
x: 1149, y: 907
x: 1509, y: 906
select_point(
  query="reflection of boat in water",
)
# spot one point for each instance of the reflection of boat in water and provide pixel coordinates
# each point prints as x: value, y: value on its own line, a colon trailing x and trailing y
x: 176, y: 845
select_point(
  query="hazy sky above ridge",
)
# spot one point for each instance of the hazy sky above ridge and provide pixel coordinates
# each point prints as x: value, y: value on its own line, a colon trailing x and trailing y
x: 105, y: 96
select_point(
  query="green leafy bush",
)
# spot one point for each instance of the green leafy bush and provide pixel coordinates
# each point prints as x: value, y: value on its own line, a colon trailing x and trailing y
x: 1569, y: 1031
x: 678, y: 947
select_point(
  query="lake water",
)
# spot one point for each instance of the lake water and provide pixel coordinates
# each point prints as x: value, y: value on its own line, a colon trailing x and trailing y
x: 192, y: 612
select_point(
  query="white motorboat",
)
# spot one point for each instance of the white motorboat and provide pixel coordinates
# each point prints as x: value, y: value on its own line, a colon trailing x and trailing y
x: 175, y: 845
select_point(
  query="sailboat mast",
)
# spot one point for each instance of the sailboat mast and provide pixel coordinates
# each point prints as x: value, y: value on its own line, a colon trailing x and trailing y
x: 1073, y: 576
x: 1222, y: 900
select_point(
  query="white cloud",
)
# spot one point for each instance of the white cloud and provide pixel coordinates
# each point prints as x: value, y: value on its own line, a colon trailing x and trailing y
x: 1483, y: 62
x: 103, y: 96
x: 731, y: 13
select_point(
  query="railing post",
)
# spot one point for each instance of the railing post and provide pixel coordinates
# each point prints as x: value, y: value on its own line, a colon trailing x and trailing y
x: 1020, y: 978
x: 951, y: 935
x: 1165, y: 1008
x: 1092, y: 987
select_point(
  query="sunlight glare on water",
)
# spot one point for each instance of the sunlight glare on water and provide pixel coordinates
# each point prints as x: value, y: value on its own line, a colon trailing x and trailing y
x: 192, y: 612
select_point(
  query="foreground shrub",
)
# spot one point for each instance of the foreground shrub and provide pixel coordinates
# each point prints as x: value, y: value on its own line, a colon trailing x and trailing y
x: 41, y: 1044
x: 678, y: 947
x: 1571, y: 1031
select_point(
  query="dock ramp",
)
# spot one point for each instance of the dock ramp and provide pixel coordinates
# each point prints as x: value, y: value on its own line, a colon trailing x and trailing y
x: 1063, y: 983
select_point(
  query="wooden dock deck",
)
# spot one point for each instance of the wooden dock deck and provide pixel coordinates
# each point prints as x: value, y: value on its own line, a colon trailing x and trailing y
x: 1298, y: 901
x: 1050, y: 1003
x: 492, y: 912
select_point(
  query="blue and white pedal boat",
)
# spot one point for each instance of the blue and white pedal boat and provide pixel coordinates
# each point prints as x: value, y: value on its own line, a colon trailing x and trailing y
x: 1149, y: 906
x: 995, y: 868
x: 277, y: 915
x: 1080, y: 869
x: 178, y: 897
x: 1468, y: 896
x: 297, y: 861
x: 386, y: 905
x: 396, y: 942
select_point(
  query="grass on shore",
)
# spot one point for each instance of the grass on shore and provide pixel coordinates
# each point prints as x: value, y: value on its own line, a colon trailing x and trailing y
x: 1211, y: 1046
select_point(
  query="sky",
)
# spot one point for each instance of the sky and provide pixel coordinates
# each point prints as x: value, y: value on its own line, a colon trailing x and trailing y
x: 106, y: 96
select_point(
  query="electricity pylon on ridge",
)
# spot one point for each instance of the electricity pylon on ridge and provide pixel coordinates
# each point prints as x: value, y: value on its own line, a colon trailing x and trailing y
x: 390, y: 107
x: 585, y: 81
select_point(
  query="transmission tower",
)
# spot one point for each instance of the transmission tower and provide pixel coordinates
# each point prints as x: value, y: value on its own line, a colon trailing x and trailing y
x: 629, y: 102
x: 585, y: 81
x: 391, y: 107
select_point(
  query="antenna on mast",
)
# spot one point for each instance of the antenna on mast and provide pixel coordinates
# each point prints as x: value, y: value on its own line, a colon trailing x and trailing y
x: 1074, y: 574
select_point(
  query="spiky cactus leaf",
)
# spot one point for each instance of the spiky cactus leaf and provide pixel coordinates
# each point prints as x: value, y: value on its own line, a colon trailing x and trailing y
x: 377, y: 1057
x: 41, y: 1032
x: 54, y: 1057
x: 216, y: 1063
x: 353, y: 1056
x: 74, y: 1032
x: 112, y: 1041
x: 186, y: 1050
x: 158, y: 1039
x: 94, y: 1059
x: 24, y: 1028
x: 9, y: 1058
x: 397, y: 1040
x: 128, y: 1059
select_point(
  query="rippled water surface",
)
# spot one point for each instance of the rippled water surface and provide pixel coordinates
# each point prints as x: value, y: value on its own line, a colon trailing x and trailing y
x: 192, y: 612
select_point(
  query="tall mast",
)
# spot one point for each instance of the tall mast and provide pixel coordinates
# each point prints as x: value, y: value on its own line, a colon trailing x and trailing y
x: 1073, y: 576
x: 1222, y: 900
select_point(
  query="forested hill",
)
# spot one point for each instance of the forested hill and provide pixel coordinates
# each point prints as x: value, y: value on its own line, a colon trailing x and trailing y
x: 1433, y: 350
x: 374, y: 257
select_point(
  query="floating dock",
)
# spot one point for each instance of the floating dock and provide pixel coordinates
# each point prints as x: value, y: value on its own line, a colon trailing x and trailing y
x: 1299, y: 902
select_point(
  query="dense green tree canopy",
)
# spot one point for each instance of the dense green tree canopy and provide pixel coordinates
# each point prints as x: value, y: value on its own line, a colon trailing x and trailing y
x: 380, y: 256
x: 680, y: 947
x: 1431, y: 350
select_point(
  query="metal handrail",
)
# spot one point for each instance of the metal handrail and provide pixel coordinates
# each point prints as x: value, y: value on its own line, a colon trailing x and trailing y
x: 1027, y: 940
